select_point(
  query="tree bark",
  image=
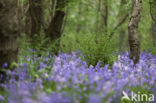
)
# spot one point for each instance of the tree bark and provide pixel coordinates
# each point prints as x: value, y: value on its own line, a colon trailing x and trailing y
x: 121, y: 39
x: 53, y: 8
x: 55, y: 27
x: 36, y: 15
x: 154, y: 33
x: 105, y: 15
x: 20, y: 16
x: 122, y: 32
x: 134, y: 42
x: 97, y: 15
x: 28, y: 22
x: 79, y: 18
x: 8, y: 32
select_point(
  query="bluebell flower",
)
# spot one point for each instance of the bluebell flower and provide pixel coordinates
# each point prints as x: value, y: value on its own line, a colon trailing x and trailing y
x: 94, y: 99
x: 42, y: 65
x: 5, y: 65
x: 2, y: 98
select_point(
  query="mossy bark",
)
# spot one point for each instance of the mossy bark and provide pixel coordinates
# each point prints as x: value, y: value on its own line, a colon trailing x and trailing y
x: 54, y: 30
x: 154, y: 33
x: 55, y: 27
x: 8, y: 32
x: 36, y: 14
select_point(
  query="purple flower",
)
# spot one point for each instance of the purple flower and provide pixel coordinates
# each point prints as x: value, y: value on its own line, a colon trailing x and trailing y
x: 5, y: 65
x: 2, y: 98
x: 94, y: 99
x: 42, y: 65
x: 71, y: 79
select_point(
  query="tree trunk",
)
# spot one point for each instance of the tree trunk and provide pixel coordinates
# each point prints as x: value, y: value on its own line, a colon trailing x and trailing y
x: 8, y: 32
x: 105, y: 15
x: 53, y: 8
x: 134, y: 42
x: 55, y: 27
x: 36, y: 14
x: 28, y: 23
x: 154, y: 33
x: 20, y: 16
x: 79, y: 18
x: 122, y: 32
x: 121, y: 40
x: 97, y: 15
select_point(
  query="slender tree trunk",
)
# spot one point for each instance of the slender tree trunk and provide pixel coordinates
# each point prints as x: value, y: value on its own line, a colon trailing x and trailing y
x: 105, y: 15
x: 152, y: 8
x: 122, y: 32
x: 53, y: 8
x: 20, y: 16
x: 134, y: 42
x: 121, y: 39
x: 36, y: 14
x: 55, y: 27
x: 154, y: 33
x: 65, y: 20
x: 28, y: 22
x: 97, y: 15
x: 99, y: 26
x: 79, y: 18
x: 8, y: 32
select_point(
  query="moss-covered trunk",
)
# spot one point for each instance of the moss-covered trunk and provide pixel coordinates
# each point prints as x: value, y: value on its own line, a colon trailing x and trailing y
x: 55, y: 27
x: 36, y: 14
x: 154, y: 33
x: 8, y: 32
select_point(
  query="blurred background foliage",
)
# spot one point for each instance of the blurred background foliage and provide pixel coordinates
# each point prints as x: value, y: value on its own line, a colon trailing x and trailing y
x: 85, y: 28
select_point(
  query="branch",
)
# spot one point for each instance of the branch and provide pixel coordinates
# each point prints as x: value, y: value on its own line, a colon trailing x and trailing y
x: 119, y: 24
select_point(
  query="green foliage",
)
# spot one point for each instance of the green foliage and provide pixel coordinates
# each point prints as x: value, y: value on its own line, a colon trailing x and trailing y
x: 94, y: 48
x: 35, y: 48
x: 145, y: 31
x: 153, y: 9
x: 91, y: 39
x: 38, y: 42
